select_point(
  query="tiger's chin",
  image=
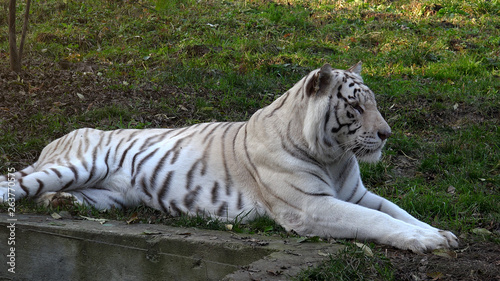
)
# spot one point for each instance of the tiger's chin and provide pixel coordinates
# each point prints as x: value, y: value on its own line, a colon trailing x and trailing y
x: 369, y: 156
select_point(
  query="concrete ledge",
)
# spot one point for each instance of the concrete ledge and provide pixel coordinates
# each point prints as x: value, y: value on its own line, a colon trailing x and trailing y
x: 69, y: 249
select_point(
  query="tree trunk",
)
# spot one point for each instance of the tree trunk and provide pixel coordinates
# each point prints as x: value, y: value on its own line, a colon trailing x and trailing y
x: 15, y: 62
x: 15, y: 55
x: 25, y: 29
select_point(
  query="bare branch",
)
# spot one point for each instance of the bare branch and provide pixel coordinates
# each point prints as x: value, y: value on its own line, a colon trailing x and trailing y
x: 25, y: 29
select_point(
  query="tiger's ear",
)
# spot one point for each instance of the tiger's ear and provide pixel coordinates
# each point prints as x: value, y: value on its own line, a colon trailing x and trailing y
x: 320, y: 80
x: 356, y: 68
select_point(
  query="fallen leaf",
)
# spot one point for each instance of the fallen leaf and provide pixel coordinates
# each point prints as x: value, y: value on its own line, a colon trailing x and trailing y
x: 481, y: 231
x: 451, y: 189
x: 312, y: 239
x: 445, y: 253
x: 101, y: 221
x: 56, y: 216
x: 133, y: 218
x: 365, y: 249
x: 323, y: 254
x: 462, y: 250
x: 435, y: 275
x: 58, y: 104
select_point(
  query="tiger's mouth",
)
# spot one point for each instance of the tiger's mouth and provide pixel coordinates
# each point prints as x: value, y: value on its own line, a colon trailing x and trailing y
x: 362, y: 151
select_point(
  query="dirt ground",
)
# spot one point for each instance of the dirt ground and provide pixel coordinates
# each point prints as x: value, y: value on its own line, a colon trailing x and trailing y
x: 49, y: 88
x: 473, y: 260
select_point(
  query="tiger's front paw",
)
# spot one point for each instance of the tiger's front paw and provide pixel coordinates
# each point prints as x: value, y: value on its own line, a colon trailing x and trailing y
x: 421, y: 240
x: 450, y: 237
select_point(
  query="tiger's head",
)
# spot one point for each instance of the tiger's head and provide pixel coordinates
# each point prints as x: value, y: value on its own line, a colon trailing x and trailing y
x: 345, y: 115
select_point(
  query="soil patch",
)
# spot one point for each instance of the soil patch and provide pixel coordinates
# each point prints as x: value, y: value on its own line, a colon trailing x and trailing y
x: 475, y: 260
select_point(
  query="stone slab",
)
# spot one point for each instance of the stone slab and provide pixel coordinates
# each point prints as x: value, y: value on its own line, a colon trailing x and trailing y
x: 80, y: 249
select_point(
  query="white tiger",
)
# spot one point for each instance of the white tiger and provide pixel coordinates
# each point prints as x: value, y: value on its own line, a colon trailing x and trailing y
x: 295, y: 160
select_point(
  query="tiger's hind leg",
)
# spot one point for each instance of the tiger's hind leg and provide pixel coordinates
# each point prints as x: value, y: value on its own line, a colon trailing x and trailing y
x: 102, y: 199
x: 8, y: 182
x: 18, y: 174
x: 50, y: 179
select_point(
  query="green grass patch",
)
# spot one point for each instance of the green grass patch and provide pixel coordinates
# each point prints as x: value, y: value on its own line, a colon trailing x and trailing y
x: 351, y: 263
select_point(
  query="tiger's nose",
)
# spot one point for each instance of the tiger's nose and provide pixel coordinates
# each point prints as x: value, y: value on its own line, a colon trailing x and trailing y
x: 384, y: 134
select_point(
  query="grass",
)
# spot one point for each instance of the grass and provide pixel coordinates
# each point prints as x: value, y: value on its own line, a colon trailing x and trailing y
x: 434, y: 66
x: 351, y: 263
